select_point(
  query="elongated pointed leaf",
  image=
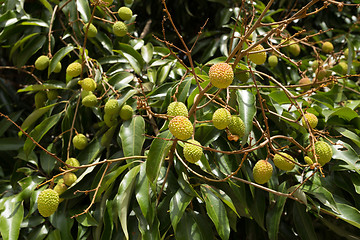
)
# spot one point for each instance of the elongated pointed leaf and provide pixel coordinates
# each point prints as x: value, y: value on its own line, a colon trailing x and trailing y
x: 11, y: 216
x: 35, y: 115
x: 142, y: 190
x: 178, y: 205
x: 247, y: 110
x: 132, y: 134
x: 303, y: 222
x: 59, y: 55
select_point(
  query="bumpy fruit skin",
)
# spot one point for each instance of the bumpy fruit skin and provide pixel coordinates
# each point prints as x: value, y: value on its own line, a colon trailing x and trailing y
x: 327, y: 47
x: 58, y: 67
x: 89, y: 100
x: 257, y: 58
x: 192, y: 153
x: 305, y: 80
x: 72, y: 162
x: 80, y: 141
x: 177, y: 109
x: 295, y: 49
x: 273, y: 61
x: 221, y: 118
x: 110, y: 120
x: 125, y: 13
x: 92, y: 31
x: 119, y: 29
x: 52, y: 94
x: 74, y: 69
x: 42, y: 62
x: 40, y: 99
x: 344, y: 67
x: 181, y: 127
x: 69, y: 178
x: 112, y: 107
x: 126, y: 112
x: 323, y: 151
x: 60, y: 187
x: 237, y: 126
x: 312, y: 119
x: 88, y: 84
x: 221, y: 75
x: 283, y: 163
x: 262, y: 171
x: 47, y: 202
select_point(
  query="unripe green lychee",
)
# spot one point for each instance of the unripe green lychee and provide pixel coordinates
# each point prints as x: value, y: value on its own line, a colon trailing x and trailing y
x: 221, y: 118
x: 47, y: 202
x: 221, y: 75
x: 69, y: 178
x: 237, y: 126
x: 177, y: 109
x: 308, y: 160
x: 322, y: 74
x: 346, y: 53
x: 40, y: 99
x: 74, y: 69
x: 126, y: 112
x: 273, y: 61
x: 85, y: 93
x: 242, y: 72
x: 58, y: 67
x: 315, y: 65
x: 110, y: 120
x: 125, y: 13
x: 192, y: 153
x: 312, y: 119
x: 262, y: 171
x: 343, y: 67
x: 304, y: 81
x: 88, y: 84
x: 42, y: 62
x: 52, y: 94
x: 60, y: 187
x: 72, y: 162
x: 92, y: 31
x: 80, y: 141
x: 112, y: 107
x: 294, y: 49
x: 323, y: 151
x: 89, y: 100
x: 181, y: 127
x: 327, y: 47
x: 257, y: 58
x: 119, y: 29
x: 281, y: 161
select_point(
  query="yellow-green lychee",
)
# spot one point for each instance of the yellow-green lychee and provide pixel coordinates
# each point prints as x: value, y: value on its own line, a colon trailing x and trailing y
x: 323, y: 151
x: 294, y: 49
x: 322, y: 74
x: 80, y: 141
x: 316, y: 64
x: 72, y: 162
x: 47, y: 202
x: 273, y: 61
x: 74, y: 69
x: 112, y: 107
x: 327, y: 47
x: 221, y: 118
x: 305, y: 81
x: 88, y: 84
x: 92, y: 31
x: 58, y: 67
x: 281, y: 161
x: 343, y: 67
x: 221, y: 75
x: 52, y: 94
x: 257, y: 58
x: 177, y: 109
x: 69, y: 178
x: 262, y: 171
x: 119, y: 29
x: 346, y: 53
x: 60, y: 187
x: 40, y: 99
x: 90, y: 100
x: 308, y: 160
x: 110, y: 120
x: 192, y: 153
x: 312, y: 119
x: 181, y: 127
x: 126, y: 112
x: 237, y: 126
x: 125, y: 13
x: 42, y: 62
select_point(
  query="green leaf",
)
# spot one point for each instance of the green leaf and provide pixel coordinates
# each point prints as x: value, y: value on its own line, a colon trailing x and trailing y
x: 31, y: 47
x: 158, y: 151
x: 5, y: 124
x: 191, y: 227
x: 247, y: 110
x: 21, y: 42
x: 11, y: 216
x: 163, y: 73
x: 178, y: 205
x: 62, y: 220
x: 346, y: 153
x: 47, y: 5
x: 58, y: 56
x: 11, y: 143
x: 84, y: 9
x: 349, y: 134
x: 39, y: 87
x: 342, y: 112
x: 132, y: 56
x: 349, y: 214
x: 147, y: 52
x: 121, y: 80
x: 132, y: 134
x: 143, y: 197
x: 303, y: 223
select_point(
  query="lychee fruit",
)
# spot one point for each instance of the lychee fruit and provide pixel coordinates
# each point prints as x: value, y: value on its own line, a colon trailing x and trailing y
x: 110, y: 120
x: 308, y: 160
x: 90, y: 100
x: 221, y: 118
x: 42, y: 62
x: 40, y: 99
x: 47, y: 202
x: 262, y: 171
x: 323, y: 151
x: 281, y: 161
x: 88, y: 84
x: 125, y: 13
x: 303, y: 81
x: 69, y: 178
x: 74, y: 69
x: 327, y: 47
x: 221, y: 75
x: 257, y: 58
x: 80, y: 141
x: 273, y: 61
x: 237, y: 126
x: 294, y: 49
x: 92, y: 31
x: 181, y: 127
x: 112, y: 107
x: 312, y: 119
x: 177, y: 109
x: 126, y: 112
x: 60, y: 187
x: 192, y: 153
x: 72, y: 162
x: 119, y: 29
x: 58, y: 67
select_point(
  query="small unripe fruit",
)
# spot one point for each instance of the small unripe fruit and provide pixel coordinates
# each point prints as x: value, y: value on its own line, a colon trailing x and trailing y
x: 69, y: 178
x: 112, y: 107
x: 85, y: 93
x: 322, y: 74
x: 181, y: 127
x: 273, y: 61
x: 308, y: 160
x: 119, y: 29
x: 346, y: 53
x: 281, y: 161
x: 312, y: 119
x: 304, y: 81
x: 40, y: 99
x: 295, y: 49
x: 88, y: 84
x: 177, y: 109
x: 92, y: 31
x: 327, y: 47
x: 323, y: 151
x: 257, y: 58
x: 60, y: 187
x: 89, y: 101
x: 74, y: 69
x: 221, y: 118
x: 262, y: 171
x: 125, y: 13
x: 343, y: 67
x: 315, y: 65
x: 126, y: 112
x: 58, y: 67
x: 72, y: 162
x: 192, y: 153
x: 52, y: 94
x: 221, y: 75
x: 110, y: 120
x: 80, y: 141
x: 47, y: 202
x: 237, y: 126
x: 42, y: 62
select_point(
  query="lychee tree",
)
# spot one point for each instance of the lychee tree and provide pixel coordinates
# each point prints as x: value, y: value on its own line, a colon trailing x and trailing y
x: 117, y: 126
